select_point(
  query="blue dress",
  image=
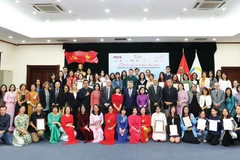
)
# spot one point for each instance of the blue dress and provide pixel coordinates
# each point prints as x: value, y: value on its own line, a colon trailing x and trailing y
x: 122, y: 122
x: 230, y: 105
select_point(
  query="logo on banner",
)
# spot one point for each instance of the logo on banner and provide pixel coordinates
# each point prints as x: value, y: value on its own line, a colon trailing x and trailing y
x: 117, y: 56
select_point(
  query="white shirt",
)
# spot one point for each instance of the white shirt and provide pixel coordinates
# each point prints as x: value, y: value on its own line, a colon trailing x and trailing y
x: 224, y: 84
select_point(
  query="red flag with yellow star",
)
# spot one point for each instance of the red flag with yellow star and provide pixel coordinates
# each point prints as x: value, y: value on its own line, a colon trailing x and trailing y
x: 81, y: 57
x: 184, y: 65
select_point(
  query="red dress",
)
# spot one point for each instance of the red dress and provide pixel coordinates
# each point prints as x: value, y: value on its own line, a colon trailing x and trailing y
x: 83, y: 120
x: 70, y: 81
x: 134, y: 122
x: 69, y: 130
x: 117, y: 100
x: 145, y: 128
x: 110, y: 120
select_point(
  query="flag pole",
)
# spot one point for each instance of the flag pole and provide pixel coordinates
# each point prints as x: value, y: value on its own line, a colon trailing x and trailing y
x: 195, y: 50
x: 183, y: 50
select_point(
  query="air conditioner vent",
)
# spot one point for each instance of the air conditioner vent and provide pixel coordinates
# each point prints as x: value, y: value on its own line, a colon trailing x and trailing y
x: 209, y: 4
x: 47, y: 7
x: 200, y: 39
x: 120, y: 39
x: 62, y: 40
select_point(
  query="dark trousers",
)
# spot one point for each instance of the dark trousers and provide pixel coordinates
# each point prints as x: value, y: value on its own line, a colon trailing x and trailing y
x: 213, y: 139
x: 6, y: 138
x: 227, y: 139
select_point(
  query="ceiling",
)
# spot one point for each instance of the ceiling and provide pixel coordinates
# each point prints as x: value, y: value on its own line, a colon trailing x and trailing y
x: 86, y: 21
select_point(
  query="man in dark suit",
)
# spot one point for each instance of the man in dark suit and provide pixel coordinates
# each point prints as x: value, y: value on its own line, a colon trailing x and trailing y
x: 106, y: 97
x: 84, y: 95
x: 65, y: 75
x: 170, y: 96
x: 155, y: 95
x: 129, y: 96
x: 56, y: 96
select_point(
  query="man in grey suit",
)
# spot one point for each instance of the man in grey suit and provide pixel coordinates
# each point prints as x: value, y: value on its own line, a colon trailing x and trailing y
x: 106, y: 97
x: 155, y: 96
x: 218, y: 98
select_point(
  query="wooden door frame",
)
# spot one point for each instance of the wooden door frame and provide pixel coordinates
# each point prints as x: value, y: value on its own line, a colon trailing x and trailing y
x: 230, y: 67
x: 39, y: 66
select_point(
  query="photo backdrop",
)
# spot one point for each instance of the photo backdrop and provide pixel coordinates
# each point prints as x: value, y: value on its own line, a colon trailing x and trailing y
x: 205, y: 52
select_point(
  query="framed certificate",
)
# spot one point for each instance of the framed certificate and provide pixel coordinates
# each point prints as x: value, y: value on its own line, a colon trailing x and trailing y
x: 161, y: 84
x: 187, y: 122
x: 186, y: 86
x: 40, y: 124
x: 175, y: 85
x: 227, y: 124
x: 201, y: 124
x: 159, y: 124
x: 213, y: 125
x: 173, y: 130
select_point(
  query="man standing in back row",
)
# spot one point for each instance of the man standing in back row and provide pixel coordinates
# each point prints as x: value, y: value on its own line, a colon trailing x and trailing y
x: 130, y: 77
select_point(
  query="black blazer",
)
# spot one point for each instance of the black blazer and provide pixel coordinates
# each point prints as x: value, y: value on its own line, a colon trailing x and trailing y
x: 176, y: 122
x: 42, y: 98
x: 73, y: 102
x: 83, y: 98
x: 170, y: 98
x: 140, y: 83
x: 155, y: 98
x: 58, y: 101
x: 65, y: 98
x: 103, y: 96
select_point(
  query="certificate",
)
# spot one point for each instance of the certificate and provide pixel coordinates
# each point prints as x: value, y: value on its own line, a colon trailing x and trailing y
x: 161, y: 84
x: 90, y: 87
x: 79, y: 85
x: 186, y: 87
x: 159, y: 126
x: 227, y: 124
x: 187, y: 122
x: 198, y: 88
x: 175, y: 85
x: 201, y: 124
x: 213, y: 125
x: 41, y: 124
x: 173, y: 130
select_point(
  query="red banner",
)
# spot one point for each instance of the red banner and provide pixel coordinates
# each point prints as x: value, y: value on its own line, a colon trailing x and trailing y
x: 81, y: 57
x: 184, y: 65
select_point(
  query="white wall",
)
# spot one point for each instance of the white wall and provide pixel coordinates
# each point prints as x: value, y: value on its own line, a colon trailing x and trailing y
x: 227, y: 55
x: 7, y: 50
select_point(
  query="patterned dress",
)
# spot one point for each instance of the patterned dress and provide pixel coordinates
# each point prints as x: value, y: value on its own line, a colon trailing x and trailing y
x: 21, y: 121
x: 9, y: 98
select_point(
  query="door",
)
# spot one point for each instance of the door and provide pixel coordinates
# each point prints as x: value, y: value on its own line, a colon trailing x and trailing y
x: 41, y: 72
x: 232, y: 72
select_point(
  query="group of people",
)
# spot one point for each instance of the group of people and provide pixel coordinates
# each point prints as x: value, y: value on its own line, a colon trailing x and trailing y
x: 109, y: 109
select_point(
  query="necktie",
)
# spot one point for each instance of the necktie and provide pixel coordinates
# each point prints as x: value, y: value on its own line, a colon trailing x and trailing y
x: 130, y: 92
x: 216, y: 93
x: 56, y: 95
x: 155, y: 88
x: 107, y: 94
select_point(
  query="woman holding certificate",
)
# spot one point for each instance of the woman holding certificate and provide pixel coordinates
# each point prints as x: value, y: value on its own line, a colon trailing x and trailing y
x: 205, y: 101
x: 122, y: 126
x: 159, y: 123
x: 215, y: 127
x: 117, y: 100
x: 237, y: 120
x: 145, y: 125
x: 110, y: 125
x: 20, y: 134
x: 182, y: 98
x: 230, y: 101
x: 173, y: 127
x: 134, y: 126
x: 96, y: 121
x: 142, y: 99
x: 188, y: 126
x: 54, y: 124
x: 202, y: 123
x: 228, y: 135
x: 68, y: 126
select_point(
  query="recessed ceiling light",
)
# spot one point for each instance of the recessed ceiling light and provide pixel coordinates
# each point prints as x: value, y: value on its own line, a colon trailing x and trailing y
x: 17, y: 1
x: 111, y: 19
x: 78, y: 20
x: 185, y: 39
x: 178, y: 18
x: 184, y: 9
x: 223, y: 9
x: 48, y: 41
x: 212, y: 18
x: 23, y: 41
x: 145, y: 10
x: 10, y: 37
x: 74, y: 40
x: 58, y: 0
x: 129, y: 39
x: 157, y: 39
x: 144, y: 19
x: 107, y: 10
x: 70, y: 11
x: 214, y: 39
x: 101, y: 40
x: 102, y: 0
x: 47, y: 21
x: 34, y: 12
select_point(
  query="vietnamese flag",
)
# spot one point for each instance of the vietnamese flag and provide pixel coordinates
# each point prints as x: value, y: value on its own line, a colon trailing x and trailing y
x: 184, y: 65
x: 81, y: 57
